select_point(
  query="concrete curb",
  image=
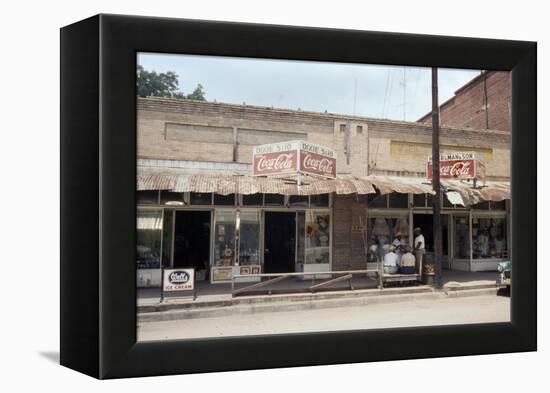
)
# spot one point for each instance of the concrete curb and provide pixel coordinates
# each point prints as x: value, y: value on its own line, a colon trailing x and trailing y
x: 265, y: 306
x: 278, y: 298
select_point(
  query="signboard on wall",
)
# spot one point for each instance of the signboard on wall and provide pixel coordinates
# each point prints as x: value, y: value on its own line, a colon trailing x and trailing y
x: 178, y: 280
x: 222, y: 273
x: 461, y: 166
x: 293, y: 157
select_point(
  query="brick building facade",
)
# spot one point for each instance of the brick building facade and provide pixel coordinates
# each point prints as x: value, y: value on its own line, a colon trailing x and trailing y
x: 482, y: 103
x: 186, y: 130
x: 188, y: 149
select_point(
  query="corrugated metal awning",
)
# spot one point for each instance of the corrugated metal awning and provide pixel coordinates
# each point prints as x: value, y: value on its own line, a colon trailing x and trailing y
x: 486, y: 191
x: 236, y: 182
x: 228, y: 182
x: 404, y: 185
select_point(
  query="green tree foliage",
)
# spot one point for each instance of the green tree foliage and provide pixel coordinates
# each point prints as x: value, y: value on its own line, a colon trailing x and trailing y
x: 197, y: 94
x: 151, y: 83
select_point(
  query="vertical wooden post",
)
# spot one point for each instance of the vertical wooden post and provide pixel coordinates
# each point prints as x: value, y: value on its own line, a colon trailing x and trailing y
x: 436, y: 206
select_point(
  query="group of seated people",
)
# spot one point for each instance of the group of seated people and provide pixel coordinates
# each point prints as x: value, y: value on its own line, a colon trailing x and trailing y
x: 396, y: 263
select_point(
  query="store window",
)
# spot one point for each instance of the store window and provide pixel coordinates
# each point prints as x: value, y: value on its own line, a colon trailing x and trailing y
x: 500, y: 205
x: 489, y: 237
x: 224, y: 200
x: 249, y: 237
x: 461, y: 237
x: 481, y: 206
x: 253, y: 200
x: 398, y: 200
x: 274, y: 200
x: 317, y: 238
x: 224, y: 238
x: 377, y: 200
x: 419, y: 200
x: 382, y: 231
x: 320, y: 200
x: 298, y: 200
x: 147, y: 197
x: 149, y: 238
x: 201, y: 198
x: 170, y: 198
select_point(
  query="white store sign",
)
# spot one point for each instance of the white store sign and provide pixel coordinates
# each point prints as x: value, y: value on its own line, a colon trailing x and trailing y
x: 178, y: 280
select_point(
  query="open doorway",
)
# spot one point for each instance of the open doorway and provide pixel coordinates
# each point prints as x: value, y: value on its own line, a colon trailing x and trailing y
x: 426, y: 224
x: 192, y: 239
x: 280, y: 242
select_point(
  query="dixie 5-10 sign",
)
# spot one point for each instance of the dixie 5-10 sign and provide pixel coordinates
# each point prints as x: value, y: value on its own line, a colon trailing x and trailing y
x: 178, y: 280
x: 294, y: 157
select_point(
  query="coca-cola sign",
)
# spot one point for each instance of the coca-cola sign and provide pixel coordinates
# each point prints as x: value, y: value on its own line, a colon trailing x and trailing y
x: 316, y: 164
x: 461, y: 166
x: 275, y: 163
x: 294, y: 157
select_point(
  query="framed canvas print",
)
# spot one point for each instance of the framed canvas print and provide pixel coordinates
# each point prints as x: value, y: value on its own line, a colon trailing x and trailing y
x: 240, y: 196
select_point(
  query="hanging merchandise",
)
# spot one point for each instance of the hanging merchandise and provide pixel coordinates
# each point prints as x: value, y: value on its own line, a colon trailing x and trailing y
x: 381, y: 228
x: 402, y: 227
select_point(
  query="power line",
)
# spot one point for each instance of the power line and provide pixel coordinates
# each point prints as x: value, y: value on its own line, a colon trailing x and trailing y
x: 404, y: 93
x: 389, y: 93
x: 355, y: 96
x: 385, y: 94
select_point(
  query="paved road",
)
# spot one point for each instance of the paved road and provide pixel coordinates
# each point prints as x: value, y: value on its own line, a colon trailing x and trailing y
x: 477, y: 309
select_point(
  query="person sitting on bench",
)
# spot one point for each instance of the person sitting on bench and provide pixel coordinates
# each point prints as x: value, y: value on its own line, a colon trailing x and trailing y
x: 391, y: 262
x: 407, y: 264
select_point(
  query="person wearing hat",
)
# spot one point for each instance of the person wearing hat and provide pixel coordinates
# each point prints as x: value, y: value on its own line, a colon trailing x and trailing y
x: 391, y: 261
x: 397, y: 241
x: 419, y: 246
x: 399, y: 245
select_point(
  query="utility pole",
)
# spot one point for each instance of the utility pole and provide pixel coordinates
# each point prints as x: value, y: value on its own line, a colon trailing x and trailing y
x: 437, y: 233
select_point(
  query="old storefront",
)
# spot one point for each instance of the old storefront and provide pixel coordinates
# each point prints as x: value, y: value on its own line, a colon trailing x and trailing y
x: 200, y: 206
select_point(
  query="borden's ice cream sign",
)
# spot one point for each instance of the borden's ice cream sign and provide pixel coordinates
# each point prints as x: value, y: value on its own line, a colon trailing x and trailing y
x: 458, y: 166
x: 293, y: 157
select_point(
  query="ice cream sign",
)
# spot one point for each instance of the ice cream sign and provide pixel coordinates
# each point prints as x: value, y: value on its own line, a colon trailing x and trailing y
x: 293, y: 157
x: 457, y: 166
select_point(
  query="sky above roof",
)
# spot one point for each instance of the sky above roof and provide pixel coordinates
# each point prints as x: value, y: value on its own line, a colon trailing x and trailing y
x: 388, y: 92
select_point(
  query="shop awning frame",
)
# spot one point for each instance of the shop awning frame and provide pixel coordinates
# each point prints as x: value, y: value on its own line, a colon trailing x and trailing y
x: 236, y: 183
x: 233, y: 182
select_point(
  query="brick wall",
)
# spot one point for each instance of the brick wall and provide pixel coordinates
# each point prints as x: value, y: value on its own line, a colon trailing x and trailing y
x: 172, y: 129
x: 467, y: 108
x: 349, y: 212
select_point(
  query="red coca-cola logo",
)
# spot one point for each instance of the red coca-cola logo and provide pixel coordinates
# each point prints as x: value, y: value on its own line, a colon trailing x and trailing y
x: 279, y: 163
x: 454, y: 169
x: 322, y: 165
x: 457, y: 169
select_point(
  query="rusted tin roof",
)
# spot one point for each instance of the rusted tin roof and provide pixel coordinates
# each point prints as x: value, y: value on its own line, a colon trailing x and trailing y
x: 486, y: 191
x: 229, y: 182
x: 404, y: 185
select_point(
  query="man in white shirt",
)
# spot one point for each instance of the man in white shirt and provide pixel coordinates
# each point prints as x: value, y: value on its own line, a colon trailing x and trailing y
x: 419, y: 247
x: 391, y: 262
x: 407, y: 264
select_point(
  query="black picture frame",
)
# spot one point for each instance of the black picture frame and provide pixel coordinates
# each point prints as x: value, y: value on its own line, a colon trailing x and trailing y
x: 98, y: 209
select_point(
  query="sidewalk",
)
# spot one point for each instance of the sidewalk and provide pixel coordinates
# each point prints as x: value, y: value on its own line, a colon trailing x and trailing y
x: 215, y: 299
